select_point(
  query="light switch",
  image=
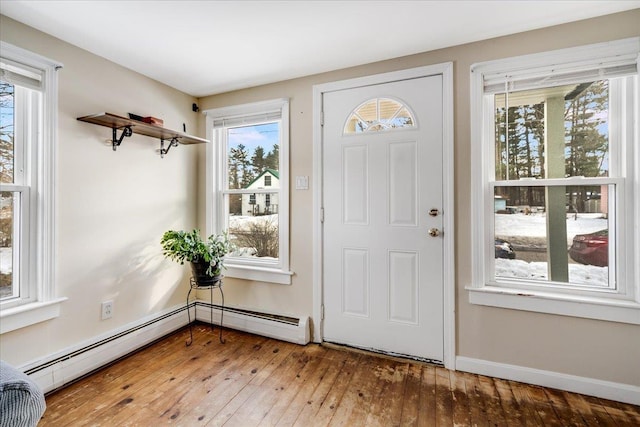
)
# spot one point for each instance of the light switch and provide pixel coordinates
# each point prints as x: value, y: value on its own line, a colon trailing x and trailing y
x: 302, y: 182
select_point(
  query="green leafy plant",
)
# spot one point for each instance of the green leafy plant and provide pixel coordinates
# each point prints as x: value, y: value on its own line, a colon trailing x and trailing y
x: 181, y: 246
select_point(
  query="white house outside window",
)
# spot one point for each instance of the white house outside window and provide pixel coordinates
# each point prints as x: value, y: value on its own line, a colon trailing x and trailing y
x: 28, y: 115
x: 555, y: 182
x: 248, y: 181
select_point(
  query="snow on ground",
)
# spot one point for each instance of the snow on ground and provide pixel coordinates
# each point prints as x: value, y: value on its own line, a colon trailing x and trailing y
x: 578, y: 273
x: 6, y: 261
x: 534, y: 225
x: 243, y: 221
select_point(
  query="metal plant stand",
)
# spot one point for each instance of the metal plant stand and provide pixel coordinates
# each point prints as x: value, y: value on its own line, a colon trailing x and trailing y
x: 215, y: 285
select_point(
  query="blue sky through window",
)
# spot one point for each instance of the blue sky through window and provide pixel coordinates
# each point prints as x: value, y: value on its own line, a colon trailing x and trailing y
x: 264, y: 135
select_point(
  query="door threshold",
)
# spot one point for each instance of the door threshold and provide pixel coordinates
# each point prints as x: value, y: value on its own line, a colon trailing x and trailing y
x: 397, y: 357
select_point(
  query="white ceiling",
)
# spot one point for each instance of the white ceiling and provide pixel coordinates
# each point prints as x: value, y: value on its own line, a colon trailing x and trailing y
x: 207, y: 47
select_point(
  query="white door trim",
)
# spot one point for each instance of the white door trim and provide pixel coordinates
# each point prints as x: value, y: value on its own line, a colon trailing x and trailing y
x: 446, y: 71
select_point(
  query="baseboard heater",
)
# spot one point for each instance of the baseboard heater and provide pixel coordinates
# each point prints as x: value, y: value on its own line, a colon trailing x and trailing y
x: 72, y: 363
x: 282, y: 327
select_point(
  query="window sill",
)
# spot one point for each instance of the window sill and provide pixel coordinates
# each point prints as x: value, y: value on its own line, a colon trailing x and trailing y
x: 259, y: 274
x: 614, y: 310
x: 29, y: 314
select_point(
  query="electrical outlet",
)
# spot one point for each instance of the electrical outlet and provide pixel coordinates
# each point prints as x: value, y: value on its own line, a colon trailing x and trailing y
x: 107, y: 310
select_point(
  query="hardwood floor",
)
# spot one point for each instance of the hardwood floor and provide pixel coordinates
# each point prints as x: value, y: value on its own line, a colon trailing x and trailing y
x: 256, y: 381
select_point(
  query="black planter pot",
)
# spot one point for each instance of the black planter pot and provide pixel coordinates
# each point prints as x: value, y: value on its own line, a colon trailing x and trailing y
x: 199, y: 271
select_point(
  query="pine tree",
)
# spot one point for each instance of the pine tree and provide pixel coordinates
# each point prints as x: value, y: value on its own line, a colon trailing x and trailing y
x: 258, y: 161
x: 586, y: 139
x: 524, y: 156
x: 272, y: 158
x: 239, y: 167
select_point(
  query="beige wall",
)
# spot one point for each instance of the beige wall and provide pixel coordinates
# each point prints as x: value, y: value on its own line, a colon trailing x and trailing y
x: 112, y: 206
x: 604, y: 350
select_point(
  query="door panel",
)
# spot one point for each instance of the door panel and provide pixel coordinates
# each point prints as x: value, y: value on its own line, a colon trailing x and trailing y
x: 355, y: 188
x: 403, y: 183
x: 355, y: 282
x: 382, y: 272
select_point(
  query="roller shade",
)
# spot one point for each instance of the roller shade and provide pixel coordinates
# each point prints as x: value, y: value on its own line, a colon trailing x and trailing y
x: 535, y: 79
x: 21, y: 75
x: 249, y: 119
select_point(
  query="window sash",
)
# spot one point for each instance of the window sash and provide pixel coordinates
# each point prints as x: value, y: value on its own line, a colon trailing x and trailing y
x: 27, y: 141
x: 248, y: 261
x: 615, y: 187
x: 24, y: 290
x: 615, y: 180
x: 223, y: 134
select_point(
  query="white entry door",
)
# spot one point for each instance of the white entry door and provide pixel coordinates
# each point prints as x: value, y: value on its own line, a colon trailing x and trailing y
x: 382, y: 196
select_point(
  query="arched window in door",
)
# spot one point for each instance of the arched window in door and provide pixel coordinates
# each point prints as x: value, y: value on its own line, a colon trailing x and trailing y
x: 379, y: 115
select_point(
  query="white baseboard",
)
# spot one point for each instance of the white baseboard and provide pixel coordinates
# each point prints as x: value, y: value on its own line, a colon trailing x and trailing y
x: 593, y: 387
x: 298, y: 333
x: 60, y: 368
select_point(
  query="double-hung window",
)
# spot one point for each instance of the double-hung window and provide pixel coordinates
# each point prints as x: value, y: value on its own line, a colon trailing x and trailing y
x: 248, y: 187
x: 28, y: 97
x: 555, y: 182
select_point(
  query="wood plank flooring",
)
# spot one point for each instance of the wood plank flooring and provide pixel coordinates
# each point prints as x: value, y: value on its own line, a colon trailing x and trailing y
x: 256, y: 381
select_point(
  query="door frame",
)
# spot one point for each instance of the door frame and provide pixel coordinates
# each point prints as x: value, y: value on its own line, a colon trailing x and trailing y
x: 446, y: 71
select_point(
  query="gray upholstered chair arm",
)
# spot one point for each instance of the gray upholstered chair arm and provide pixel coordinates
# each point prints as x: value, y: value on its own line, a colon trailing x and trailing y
x: 22, y: 402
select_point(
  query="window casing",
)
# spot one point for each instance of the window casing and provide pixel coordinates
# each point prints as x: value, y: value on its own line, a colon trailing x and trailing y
x: 247, y: 187
x: 29, y: 123
x: 572, y: 109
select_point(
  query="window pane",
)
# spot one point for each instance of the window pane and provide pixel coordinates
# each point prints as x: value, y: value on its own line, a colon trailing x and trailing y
x: 255, y: 231
x: 7, y: 132
x: 576, y: 117
x: 252, y: 152
x: 7, y: 225
x: 566, y: 242
x: 377, y: 115
x: 253, y: 163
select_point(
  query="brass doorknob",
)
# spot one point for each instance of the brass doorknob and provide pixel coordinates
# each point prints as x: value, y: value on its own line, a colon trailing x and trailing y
x: 434, y: 232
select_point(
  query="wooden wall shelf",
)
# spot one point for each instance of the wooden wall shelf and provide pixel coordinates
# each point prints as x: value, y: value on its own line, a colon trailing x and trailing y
x: 129, y: 127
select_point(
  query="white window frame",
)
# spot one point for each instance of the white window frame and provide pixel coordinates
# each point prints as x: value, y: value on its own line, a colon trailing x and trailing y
x: 620, y: 303
x: 38, y: 301
x: 249, y: 268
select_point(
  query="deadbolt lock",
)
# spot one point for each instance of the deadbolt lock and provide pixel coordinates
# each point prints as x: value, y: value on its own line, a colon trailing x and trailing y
x: 434, y: 212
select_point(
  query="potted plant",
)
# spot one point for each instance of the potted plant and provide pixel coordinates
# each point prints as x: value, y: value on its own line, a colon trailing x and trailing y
x: 206, y: 257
